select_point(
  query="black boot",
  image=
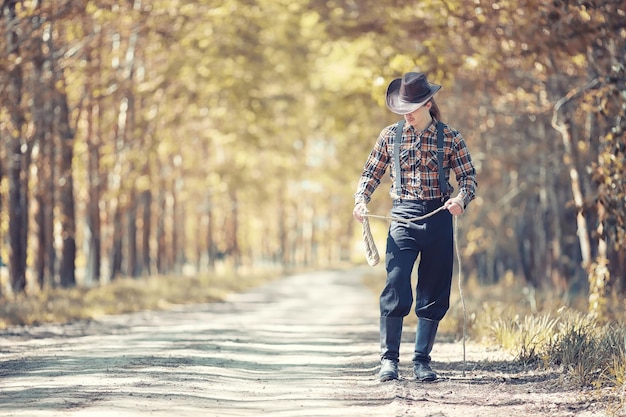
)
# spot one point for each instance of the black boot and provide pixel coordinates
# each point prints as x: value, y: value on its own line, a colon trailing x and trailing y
x: 424, y: 341
x: 390, y: 335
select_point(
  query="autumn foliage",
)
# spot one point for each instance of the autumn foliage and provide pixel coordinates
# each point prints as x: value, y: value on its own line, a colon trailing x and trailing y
x: 143, y: 137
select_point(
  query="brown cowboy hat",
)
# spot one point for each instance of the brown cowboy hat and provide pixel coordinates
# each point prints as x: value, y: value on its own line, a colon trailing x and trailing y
x: 409, y: 93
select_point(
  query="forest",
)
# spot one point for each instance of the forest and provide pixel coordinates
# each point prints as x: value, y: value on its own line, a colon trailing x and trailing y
x: 167, y: 136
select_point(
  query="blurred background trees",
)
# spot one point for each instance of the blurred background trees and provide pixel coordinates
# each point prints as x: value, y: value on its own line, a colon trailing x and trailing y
x: 143, y: 137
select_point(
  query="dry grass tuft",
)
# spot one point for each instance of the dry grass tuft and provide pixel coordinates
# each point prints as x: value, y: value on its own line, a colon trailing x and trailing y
x: 124, y: 295
x: 539, y: 329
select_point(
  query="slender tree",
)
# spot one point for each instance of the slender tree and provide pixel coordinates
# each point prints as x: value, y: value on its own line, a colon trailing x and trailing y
x: 18, y: 149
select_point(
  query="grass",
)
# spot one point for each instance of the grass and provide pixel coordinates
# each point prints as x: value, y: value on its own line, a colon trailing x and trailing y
x: 528, y: 336
x: 540, y: 330
x: 123, y: 295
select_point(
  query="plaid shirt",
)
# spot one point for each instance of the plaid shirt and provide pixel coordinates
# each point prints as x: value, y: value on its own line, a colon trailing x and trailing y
x: 418, y: 160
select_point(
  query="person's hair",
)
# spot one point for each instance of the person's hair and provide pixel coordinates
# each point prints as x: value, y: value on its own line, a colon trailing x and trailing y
x: 434, y: 110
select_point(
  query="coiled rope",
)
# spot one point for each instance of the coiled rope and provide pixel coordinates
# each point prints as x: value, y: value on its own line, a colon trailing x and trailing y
x: 372, y: 256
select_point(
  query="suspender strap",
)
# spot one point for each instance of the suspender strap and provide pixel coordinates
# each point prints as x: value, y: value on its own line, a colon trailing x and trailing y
x: 443, y: 184
x: 396, y: 157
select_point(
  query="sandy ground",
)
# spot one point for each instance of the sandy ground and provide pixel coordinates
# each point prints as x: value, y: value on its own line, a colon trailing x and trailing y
x: 303, y: 346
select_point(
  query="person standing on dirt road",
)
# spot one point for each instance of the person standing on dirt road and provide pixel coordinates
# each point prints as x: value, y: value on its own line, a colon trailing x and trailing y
x: 419, y: 187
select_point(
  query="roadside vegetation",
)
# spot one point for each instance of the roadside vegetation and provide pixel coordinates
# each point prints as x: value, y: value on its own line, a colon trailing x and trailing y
x: 124, y: 295
x: 543, y: 330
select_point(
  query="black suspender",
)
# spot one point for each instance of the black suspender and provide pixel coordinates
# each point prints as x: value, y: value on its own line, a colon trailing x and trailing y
x: 396, y: 157
x: 443, y: 184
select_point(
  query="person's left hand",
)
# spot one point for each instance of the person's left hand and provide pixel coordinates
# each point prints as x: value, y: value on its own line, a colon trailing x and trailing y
x: 454, y: 206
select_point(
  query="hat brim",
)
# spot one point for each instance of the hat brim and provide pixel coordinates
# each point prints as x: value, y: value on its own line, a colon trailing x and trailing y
x: 399, y: 106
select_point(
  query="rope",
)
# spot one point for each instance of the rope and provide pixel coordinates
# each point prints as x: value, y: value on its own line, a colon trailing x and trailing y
x: 458, y: 260
x: 371, y: 254
x: 408, y: 220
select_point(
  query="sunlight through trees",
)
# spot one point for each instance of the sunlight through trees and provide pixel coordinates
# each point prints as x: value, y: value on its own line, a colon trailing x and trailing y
x: 143, y: 137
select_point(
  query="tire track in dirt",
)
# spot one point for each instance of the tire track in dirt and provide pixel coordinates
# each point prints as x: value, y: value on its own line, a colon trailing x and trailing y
x: 306, y: 345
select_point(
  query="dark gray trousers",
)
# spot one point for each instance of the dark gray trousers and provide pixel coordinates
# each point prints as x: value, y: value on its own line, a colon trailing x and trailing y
x: 430, y: 239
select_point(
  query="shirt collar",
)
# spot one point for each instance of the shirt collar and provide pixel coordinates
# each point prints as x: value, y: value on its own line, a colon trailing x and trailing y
x: 432, y: 127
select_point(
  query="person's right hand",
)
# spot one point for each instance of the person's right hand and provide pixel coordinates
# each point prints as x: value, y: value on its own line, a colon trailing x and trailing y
x: 358, y: 212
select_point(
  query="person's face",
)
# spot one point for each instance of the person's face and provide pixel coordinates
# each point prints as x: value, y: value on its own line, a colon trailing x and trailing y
x: 419, y: 116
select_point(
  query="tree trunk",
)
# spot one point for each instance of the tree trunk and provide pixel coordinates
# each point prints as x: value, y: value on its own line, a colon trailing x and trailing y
x: 116, y: 249
x: 18, y: 215
x: 41, y: 135
x: 307, y: 227
x: 50, y: 201
x: 67, y: 266
x: 94, y: 142
x: 94, y: 227
x: 211, y: 247
x: 132, y: 268
x: 146, y: 229
x: 161, y: 263
x: 46, y: 164
x: 175, y: 248
x: 283, y: 255
x: 234, y: 237
x: 564, y: 128
x: 1, y: 208
x: 599, y: 275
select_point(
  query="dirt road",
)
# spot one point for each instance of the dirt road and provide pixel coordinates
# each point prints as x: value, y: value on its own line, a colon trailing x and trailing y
x: 304, y: 346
